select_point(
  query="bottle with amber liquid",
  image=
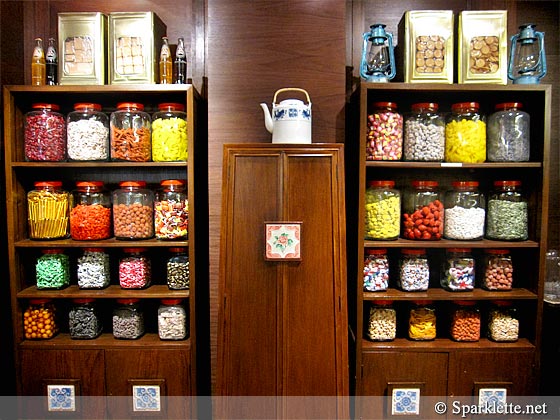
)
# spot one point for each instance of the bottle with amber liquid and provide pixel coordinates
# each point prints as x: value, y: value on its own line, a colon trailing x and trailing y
x: 38, y: 65
x: 165, y: 63
x: 180, y: 63
x: 52, y: 63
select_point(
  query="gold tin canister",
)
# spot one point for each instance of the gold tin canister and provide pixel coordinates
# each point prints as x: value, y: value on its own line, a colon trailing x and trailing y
x: 135, y: 39
x: 482, y: 47
x: 82, y: 48
x: 426, y: 54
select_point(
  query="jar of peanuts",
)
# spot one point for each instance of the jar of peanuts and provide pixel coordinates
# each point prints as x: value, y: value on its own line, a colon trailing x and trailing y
x: 384, y: 132
x: 383, y: 211
x: 177, y: 268
x: 135, y: 269
x: 465, y: 212
x: 465, y: 134
x: 87, y: 133
x: 414, y: 270
x: 48, y: 210
x: 424, y: 133
x: 171, y: 210
x: 45, y: 133
x: 382, y: 325
x: 458, y: 270
x: 131, y: 135
x: 498, y: 271
x: 422, y: 321
x: 128, y: 319
x: 465, y: 321
x: 507, y: 217
x: 423, y: 212
x: 90, y: 213
x: 503, y: 322
x: 39, y: 319
x: 133, y: 211
x: 169, y: 133
x: 376, y: 270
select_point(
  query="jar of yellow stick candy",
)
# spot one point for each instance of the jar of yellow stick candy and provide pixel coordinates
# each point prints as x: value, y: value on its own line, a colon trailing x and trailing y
x: 48, y: 211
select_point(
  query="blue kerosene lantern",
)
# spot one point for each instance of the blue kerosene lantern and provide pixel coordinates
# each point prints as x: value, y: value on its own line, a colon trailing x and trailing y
x: 378, y: 55
x: 527, y: 62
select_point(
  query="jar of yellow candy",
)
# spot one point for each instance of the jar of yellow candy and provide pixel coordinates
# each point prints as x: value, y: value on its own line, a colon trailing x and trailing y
x: 422, y: 321
x: 39, y: 320
x: 383, y: 211
x: 465, y: 134
x: 169, y: 133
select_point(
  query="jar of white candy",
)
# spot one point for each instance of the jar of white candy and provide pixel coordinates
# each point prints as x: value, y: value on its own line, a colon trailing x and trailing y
x: 424, y: 133
x: 93, y: 269
x: 508, y: 134
x: 382, y: 325
x: 464, y: 212
x: 414, y: 273
x: 87, y: 133
x: 172, y: 320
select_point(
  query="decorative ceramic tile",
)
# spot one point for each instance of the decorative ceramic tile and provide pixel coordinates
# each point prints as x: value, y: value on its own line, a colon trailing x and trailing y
x: 146, y: 398
x: 492, y: 398
x: 405, y: 401
x: 61, y: 397
x: 283, y: 241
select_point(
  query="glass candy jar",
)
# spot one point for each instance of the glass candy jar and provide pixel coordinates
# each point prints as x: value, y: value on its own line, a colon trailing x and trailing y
x: 93, y: 269
x: 172, y: 320
x: 135, y: 269
x: 508, y: 134
x: 45, y: 133
x: 507, y: 214
x: 84, y: 322
x: 384, y: 132
x: 169, y: 133
x: 382, y: 324
x: 130, y: 130
x: 48, y: 210
x: 414, y: 270
x: 177, y: 268
x: 458, y: 271
x: 90, y: 213
x: 424, y: 133
x: 465, y: 321
x: 503, y: 322
x: 52, y: 270
x: 171, y: 210
x: 39, y: 320
x: 128, y: 319
x: 465, y: 212
x: 376, y: 270
x: 87, y: 136
x: 423, y: 212
x: 465, y: 134
x: 133, y: 208
x: 498, y: 270
x: 383, y: 211
x: 422, y: 321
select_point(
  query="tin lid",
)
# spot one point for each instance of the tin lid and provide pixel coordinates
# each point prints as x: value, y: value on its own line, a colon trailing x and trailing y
x: 45, y: 106
x: 171, y: 106
x: 378, y: 183
x: 87, y: 106
x: 508, y: 105
x: 132, y: 106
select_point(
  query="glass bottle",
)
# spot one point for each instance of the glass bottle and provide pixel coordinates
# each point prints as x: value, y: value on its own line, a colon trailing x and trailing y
x: 382, y: 324
x: 165, y: 63
x: 133, y: 211
x: 414, y: 270
x: 135, y: 269
x: 169, y: 133
x: 128, y: 319
x: 376, y: 270
x: 131, y: 133
x: 383, y: 211
x: 423, y: 212
x: 465, y: 321
x: 84, y: 322
x: 465, y: 212
x: 39, y: 319
x: 424, y: 133
x: 503, y: 322
x: 465, y: 134
x: 180, y: 63
x: 552, y: 277
x: 458, y: 271
x: 48, y: 210
x: 52, y: 269
x: 90, y: 213
x: 508, y: 133
x: 38, y: 64
x: 507, y: 213
x: 51, y: 62
x: 384, y: 132
x: 177, y: 269
x: 93, y: 269
x: 172, y: 320
x: 45, y: 133
x: 422, y: 321
x: 87, y: 133
x: 498, y: 271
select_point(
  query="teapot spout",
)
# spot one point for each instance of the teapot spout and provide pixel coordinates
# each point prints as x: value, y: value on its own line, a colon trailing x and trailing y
x: 267, y: 118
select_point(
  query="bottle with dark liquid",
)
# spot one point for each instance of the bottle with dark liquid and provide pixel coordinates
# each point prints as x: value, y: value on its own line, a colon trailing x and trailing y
x: 180, y: 63
x: 38, y: 70
x: 52, y: 63
x: 165, y: 63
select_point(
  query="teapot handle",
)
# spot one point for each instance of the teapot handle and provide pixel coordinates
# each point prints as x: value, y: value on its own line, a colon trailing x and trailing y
x: 287, y: 89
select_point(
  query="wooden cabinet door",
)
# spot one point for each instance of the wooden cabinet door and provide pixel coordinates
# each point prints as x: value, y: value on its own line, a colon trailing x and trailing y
x: 283, y: 323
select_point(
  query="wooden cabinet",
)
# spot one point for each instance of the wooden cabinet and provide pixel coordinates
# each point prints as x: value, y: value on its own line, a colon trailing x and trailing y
x: 462, y: 365
x: 283, y: 327
x: 103, y: 365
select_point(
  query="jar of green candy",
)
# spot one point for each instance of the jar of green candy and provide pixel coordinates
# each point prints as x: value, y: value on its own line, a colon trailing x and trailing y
x: 507, y: 214
x: 169, y: 133
x: 383, y: 211
x: 52, y: 270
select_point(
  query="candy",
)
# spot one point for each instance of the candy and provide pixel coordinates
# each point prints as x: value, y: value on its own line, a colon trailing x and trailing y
x: 45, y: 137
x: 172, y: 323
x: 169, y: 140
x: 134, y: 271
x: 52, y: 270
x: 90, y: 222
x: 465, y: 325
x: 464, y: 223
x: 384, y: 137
x: 422, y: 324
x: 171, y: 219
x: 39, y: 321
x: 87, y: 140
x: 93, y: 270
x: 376, y: 272
x: 507, y: 220
x: 426, y: 223
x: 465, y: 141
x: 382, y: 325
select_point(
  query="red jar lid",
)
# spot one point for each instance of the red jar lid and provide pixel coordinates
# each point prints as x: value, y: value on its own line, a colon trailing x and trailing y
x: 46, y: 184
x: 497, y: 251
x: 459, y: 249
x: 171, y: 301
x: 424, y: 184
x: 509, y: 105
x: 128, y: 301
x: 46, y: 106
x: 39, y: 301
x: 177, y: 249
x: 465, y: 106
x: 413, y: 251
x: 172, y: 184
x: 87, y: 106
x: 377, y: 251
x: 171, y: 106
x: 389, y: 184
x: 133, y: 106
x: 93, y: 249
x: 389, y: 105
x: 132, y: 184
x: 465, y: 302
x: 83, y: 300
x: 52, y: 251
x: 502, y: 302
x: 133, y: 250
x: 465, y: 184
x: 422, y: 302
x: 382, y: 302
x: 429, y: 106
x: 89, y: 184
x: 507, y: 183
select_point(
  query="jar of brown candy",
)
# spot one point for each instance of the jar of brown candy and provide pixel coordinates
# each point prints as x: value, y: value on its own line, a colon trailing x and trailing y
x: 465, y: 321
x: 498, y: 271
x: 133, y: 209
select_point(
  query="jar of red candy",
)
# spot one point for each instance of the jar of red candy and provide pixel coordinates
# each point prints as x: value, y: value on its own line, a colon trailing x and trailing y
x: 45, y: 134
x: 135, y: 269
x: 171, y: 210
x: 130, y: 133
x: 90, y: 216
x: 423, y: 212
x: 133, y: 211
x: 385, y: 132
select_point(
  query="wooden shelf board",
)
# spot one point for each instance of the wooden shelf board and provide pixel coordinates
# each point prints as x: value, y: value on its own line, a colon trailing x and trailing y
x: 448, y: 165
x: 104, y: 341
x: 443, y: 344
x: 156, y: 291
x: 441, y: 294
x: 105, y: 243
x: 446, y: 243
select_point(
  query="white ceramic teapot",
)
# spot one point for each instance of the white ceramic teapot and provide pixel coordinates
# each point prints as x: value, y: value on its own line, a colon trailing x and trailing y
x: 290, y: 121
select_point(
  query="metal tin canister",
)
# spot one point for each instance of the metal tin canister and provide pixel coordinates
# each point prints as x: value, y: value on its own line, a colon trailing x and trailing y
x: 82, y: 46
x: 134, y: 43
x: 482, y: 47
x: 427, y: 52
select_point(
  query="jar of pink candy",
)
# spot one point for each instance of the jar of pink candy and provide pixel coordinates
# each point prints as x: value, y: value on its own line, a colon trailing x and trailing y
x: 135, y: 269
x: 385, y: 132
